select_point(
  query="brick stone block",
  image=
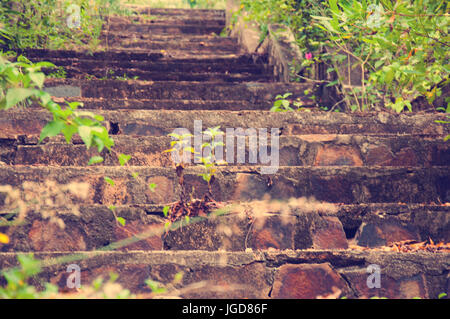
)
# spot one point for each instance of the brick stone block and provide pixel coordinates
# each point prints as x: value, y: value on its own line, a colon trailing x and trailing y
x: 306, y: 281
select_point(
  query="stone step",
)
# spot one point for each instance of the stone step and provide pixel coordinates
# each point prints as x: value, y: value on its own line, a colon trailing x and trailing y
x: 193, y: 47
x: 145, y: 59
x: 250, y: 91
x: 16, y: 122
x: 207, y: 40
x: 256, y: 274
x: 167, y: 28
x: 299, y: 224
x: 146, y: 104
x: 181, y: 13
x: 156, y: 20
x: 189, y: 66
x: 299, y: 150
x: 348, y: 185
x: 228, y: 66
x: 128, y: 73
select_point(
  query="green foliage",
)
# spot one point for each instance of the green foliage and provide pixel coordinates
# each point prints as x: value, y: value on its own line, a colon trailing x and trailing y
x: 202, y: 4
x: 123, y: 159
x: 121, y: 221
x: 207, y: 157
x: 295, y: 14
x: 54, y: 24
x: 283, y: 104
x: 21, y: 84
x: 166, y: 210
x: 156, y: 287
x: 59, y: 73
x: 17, y: 286
x: 109, y: 180
x: 400, y: 48
x: 181, y: 144
x: 20, y: 81
x: 152, y: 187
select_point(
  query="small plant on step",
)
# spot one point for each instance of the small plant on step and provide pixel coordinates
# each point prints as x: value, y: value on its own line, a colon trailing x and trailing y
x: 182, y: 150
x: 208, y: 158
x: 283, y: 104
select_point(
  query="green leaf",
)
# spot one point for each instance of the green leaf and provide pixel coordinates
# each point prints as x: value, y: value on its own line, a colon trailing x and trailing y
x: 95, y: 160
x: 121, y: 221
x: 135, y: 175
x: 44, y: 64
x: 17, y: 95
x: 109, y: 180
x: 333, y: 6
x: 30, y: 266
x: 52, y: 128
x: 389, y: 76
x: 123, y: 159
x: 68, y: 132
x: 74, y: 105
x: 44, y: 96
x: 85, y: 133
x: 152, y: 187
x: 38, y: 78
x: 155, y: 286
x: 166, y: 210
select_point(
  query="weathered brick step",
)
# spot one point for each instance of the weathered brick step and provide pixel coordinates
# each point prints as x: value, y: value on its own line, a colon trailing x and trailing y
x: 100, y: 72
x: 168, y: 28
x: 170, y: 46
x: 330, y: 184
x: 253, y: 92
x: 142, y: 57
x: 143, y: 104
x: 257, y: 274
x: 163, y: 122
x: 46, y: 55
x: 158, y: 20
x: 196, y: 13
x: 187, y: 66
x: 305, y: 224
x: 170, y: 38
x: 96, y: 228
x: 301, y: 150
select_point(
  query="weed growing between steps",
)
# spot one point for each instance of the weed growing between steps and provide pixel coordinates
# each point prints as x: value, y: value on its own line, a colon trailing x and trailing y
x: 388, y: 54
x: 182, y: 151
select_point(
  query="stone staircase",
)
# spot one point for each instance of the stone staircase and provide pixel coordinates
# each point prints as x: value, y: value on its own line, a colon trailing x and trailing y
x: 344, y: 181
